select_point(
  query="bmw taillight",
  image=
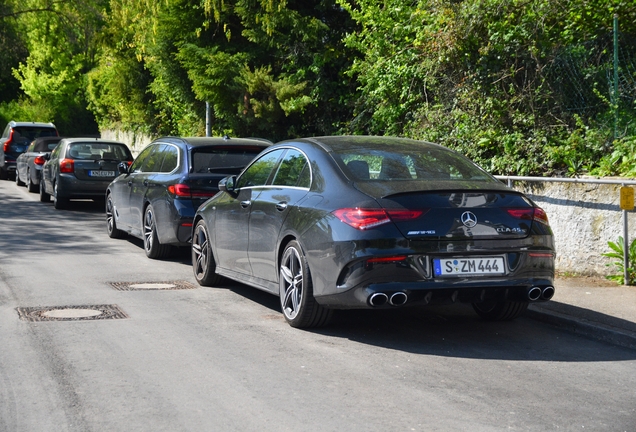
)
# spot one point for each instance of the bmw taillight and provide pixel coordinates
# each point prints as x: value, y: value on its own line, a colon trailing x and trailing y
x: 67, y: 166
x: 532, y: 213
x: 184, y: 191
x: 39, y: 160
x: 180, y: 190
x: 360, y: 218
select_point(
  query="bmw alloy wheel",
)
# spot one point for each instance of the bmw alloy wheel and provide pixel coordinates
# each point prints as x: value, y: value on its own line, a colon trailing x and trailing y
x: 153, y: 248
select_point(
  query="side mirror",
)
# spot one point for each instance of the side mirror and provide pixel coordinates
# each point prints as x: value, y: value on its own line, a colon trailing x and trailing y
x: 47, y: 156
x: 122, y: 168
x: 227, y: 184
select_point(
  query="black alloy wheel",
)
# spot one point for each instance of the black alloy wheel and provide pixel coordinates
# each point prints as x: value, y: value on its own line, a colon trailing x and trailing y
x: 111, y: 224
x: 296, y: 294
x: 500, y: 311
x: 203, y: 263
x: 58, y: 202
x: 44, y: 197
x: 31, y: 187
x: 153, y: 248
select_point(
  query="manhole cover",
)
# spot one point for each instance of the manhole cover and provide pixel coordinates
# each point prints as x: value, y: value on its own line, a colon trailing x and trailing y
x: 71, y: 313
x: 137, y: 286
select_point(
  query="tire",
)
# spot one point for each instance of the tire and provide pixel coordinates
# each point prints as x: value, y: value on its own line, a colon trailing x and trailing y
x: 500, y: 311
x: 18, y: 182
x: 111, y: 225
x: 31, y: 187
x: 3, y: 173
x: 296, y: 294
x: 203, y: 263
x: 153, y: 248
x: 44, y: 197
x: 58, y: 203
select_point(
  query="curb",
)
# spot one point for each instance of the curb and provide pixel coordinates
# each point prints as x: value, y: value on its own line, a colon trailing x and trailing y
x: 583, y: 327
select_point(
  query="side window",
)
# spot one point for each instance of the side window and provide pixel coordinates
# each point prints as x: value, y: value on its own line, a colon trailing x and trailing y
x: 154, y: 159
x: 170, y: 159
x: 258, y: 173
x: 56, y: 152
x: 138, y: 163
x: 31, y: 148
x: 290, y: 170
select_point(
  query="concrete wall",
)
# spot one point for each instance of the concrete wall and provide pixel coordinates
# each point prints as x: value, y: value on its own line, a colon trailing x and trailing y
x: 583, y: 217
x: 135, y: 141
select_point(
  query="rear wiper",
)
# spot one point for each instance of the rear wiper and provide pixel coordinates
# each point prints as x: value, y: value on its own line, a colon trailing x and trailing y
x: 224, y: 168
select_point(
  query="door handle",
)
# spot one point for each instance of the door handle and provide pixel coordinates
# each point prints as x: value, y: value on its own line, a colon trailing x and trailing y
x: 145, y: 182
x: 130, y: 183
x: 281, y: 206
x: 245, y: 204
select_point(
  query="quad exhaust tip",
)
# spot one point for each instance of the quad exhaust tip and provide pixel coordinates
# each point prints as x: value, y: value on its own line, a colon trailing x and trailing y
x: 536, y: 293
x: 380, y: 299
x: 547, y: 293
x: 398, y: 299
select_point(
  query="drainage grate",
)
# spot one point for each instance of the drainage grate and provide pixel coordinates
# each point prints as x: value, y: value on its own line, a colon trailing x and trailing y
x: 71, y: 313
x: 140, y: 286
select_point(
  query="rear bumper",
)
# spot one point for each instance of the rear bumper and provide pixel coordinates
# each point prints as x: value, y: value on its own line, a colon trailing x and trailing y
x: 69, y: 186
x: 9, y: 165
x: 527, y: 278
x: 381, y: 295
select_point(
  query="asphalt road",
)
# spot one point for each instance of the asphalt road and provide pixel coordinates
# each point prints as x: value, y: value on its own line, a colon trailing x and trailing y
x: 223, y: 359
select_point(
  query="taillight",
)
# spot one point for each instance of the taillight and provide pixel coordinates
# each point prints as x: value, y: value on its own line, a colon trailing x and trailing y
x: 8, y: 142
x: 369, y: 218
x: 67, y: 166
x: 531, y: 213
x: 180, y: 190
x: 184, y: 191
x: 39, y: 160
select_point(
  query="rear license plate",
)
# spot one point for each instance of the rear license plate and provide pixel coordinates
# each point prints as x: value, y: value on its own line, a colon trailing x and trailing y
x: 100, y: 173
x: 494, y: 265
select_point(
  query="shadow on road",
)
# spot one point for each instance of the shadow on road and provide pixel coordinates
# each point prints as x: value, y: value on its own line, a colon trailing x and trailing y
x: 451, y: 331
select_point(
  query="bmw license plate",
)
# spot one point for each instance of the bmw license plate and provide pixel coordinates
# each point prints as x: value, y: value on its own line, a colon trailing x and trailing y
x: 100, y: 173
x: 493, y: 265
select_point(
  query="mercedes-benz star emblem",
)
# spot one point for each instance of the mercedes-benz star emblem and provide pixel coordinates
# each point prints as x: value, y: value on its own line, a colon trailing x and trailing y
x: 469, y: 219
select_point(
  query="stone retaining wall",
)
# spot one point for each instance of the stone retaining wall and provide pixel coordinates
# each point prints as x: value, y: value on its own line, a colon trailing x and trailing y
x: 583, y: 217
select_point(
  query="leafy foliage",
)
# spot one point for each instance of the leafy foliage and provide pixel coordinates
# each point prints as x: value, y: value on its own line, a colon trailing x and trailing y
x: 617, y: 252
x: 521, y: 87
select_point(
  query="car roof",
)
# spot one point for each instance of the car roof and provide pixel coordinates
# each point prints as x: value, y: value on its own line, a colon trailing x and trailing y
x: 36, y: 124
x: 206, y: 141
x: 343, y: 142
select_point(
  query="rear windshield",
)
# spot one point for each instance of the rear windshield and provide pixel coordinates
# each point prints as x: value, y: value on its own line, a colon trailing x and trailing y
x: 408, y: 163
x: 99, y: 151
x: 227, y: 160
x: 29, y: 133
x: 45, y: 146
